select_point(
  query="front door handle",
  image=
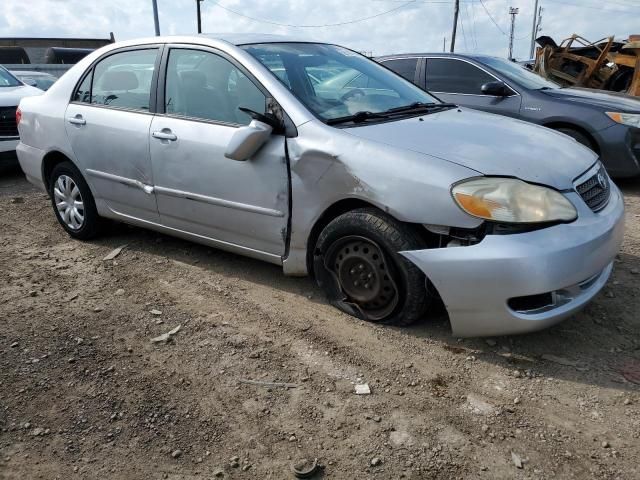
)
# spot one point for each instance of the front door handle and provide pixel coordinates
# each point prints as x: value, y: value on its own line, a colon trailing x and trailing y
x: 77, y: 120
x: 165, y: 134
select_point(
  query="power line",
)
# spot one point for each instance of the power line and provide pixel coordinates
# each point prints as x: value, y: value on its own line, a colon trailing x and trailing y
x: 472, y: 19
x: 464, y: 35
x: 271, y: 22
x: 492, y: 19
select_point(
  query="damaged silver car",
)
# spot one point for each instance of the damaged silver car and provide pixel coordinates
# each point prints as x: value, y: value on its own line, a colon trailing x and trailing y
x: 389, y: 197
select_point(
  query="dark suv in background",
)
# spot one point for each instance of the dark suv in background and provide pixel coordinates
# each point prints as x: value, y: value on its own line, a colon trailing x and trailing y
x: 608, y: 123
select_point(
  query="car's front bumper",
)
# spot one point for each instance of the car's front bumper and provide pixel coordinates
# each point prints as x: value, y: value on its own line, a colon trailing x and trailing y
x: 620, y: 150
x: 572, y: 262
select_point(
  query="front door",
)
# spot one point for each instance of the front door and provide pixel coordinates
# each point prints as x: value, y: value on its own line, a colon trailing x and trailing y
x: 460, y: 82
x: 108, y: 125
x: 200, y: 191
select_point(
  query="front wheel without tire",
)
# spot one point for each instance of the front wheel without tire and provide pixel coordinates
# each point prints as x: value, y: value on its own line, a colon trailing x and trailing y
x: 73, y: 202
x: 356, y: 262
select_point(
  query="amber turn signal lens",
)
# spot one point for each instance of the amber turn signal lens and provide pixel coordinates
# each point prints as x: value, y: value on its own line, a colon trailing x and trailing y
x: 476, y: 206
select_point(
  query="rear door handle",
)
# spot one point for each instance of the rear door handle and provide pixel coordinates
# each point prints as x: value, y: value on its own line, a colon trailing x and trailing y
x: 165, y: 134
x: 77, y: 120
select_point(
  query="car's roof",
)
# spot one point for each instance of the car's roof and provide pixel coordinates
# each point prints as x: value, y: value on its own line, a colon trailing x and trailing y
x: 234, y: 39
x: 247, y: 38
x: 473, y: 56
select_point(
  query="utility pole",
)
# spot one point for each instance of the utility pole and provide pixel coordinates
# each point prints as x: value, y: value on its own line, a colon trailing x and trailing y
x: 156, y: 22
x: 456, y: 11
x: 199, y: 16
x: 513, y: 12
x: 444, y: 44
x: 538, y: 27
x: 534, y: 30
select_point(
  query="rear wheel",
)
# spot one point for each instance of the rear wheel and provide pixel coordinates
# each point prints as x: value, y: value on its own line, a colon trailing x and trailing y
x: 356, y: 262
x: 73, y: 202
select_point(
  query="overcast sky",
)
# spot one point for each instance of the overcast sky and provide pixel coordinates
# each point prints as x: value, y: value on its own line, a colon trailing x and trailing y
x: 418, y: 25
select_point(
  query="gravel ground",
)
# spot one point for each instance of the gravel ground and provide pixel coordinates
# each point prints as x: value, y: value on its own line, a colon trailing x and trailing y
x: 85, y: 393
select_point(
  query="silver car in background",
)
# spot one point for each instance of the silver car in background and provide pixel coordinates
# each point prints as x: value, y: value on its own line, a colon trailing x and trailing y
x: 12, y: 90
x: 387, y: 196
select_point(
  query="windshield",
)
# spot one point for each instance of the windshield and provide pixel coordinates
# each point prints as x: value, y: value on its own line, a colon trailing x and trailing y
x: 8, y: 80
x: 519, y: 74
x: 334, y: 82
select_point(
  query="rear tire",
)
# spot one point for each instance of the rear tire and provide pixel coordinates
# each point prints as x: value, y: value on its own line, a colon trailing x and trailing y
x: 73, y: 203
x: 356, y: 262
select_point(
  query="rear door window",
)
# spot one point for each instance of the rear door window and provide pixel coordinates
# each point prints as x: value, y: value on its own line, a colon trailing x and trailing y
x: 122, y: 80
x: 448, y: 75
x: 405, y: 67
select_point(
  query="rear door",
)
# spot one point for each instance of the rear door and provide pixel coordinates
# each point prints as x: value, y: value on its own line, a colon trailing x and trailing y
x: 460, y: 81
x: 108, y: 123
x: 199, y: 190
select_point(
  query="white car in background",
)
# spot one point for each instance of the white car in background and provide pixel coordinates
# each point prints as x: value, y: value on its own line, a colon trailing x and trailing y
x: 41, y: 80
x: 12, y: 91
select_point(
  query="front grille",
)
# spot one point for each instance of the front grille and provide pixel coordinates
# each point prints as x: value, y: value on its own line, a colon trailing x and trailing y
x: 596, y: 190
x: 8, y: 126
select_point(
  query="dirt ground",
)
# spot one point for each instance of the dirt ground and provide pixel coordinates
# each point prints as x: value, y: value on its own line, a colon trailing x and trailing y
x: 84, y: 393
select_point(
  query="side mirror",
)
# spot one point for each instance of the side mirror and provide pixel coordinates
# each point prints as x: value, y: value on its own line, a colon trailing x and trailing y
x: 496, y: 89
x: 247, y: 140
x: 30, y: 81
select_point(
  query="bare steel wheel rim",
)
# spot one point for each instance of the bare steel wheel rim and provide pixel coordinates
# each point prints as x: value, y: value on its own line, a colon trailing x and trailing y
x: 69, y: 202
x: 364, y: 276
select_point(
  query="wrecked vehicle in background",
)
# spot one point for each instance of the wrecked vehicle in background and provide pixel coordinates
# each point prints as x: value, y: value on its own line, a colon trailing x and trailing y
x: 605, y: 65
x: 386, y: 195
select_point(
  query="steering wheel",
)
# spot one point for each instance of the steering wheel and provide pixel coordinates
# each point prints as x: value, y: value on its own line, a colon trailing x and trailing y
x: 110, y: 99
x: 352, y: 93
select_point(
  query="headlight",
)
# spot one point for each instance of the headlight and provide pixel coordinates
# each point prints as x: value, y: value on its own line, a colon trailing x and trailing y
x: 512, y: 201
x: 631, y: 119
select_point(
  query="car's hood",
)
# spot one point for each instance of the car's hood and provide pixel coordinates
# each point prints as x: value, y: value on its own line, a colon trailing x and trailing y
x: 611, y: 101
x: 10, y: 96
x: 489, y: 144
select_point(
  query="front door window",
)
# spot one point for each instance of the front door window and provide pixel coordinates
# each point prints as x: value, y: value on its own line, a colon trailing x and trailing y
x: 205, y: 86
x: 446, y: 75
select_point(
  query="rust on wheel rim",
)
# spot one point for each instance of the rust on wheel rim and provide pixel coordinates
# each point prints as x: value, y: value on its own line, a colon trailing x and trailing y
x: 364, y: 276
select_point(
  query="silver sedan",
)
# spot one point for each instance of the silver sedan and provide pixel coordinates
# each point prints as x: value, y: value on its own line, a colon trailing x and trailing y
x: 387, y: 196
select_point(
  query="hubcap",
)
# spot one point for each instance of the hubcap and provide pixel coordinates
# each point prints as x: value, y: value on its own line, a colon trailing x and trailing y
x: 364, y: 277
x: 69, y: 202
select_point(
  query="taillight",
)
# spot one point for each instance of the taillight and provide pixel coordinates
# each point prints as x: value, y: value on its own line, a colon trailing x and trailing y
x: 18, y: 116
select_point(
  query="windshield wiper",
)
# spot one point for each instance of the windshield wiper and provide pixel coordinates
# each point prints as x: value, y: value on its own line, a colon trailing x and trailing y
x: 358, y: 117
x: 420, y: 106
